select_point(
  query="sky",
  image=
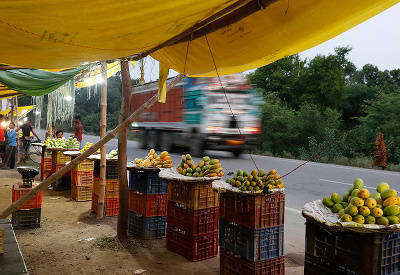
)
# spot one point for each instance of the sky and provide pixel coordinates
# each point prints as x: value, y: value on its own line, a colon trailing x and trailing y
x: 375, y: 41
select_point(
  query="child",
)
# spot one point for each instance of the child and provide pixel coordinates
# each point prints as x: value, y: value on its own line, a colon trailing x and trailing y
x: 12, y: 144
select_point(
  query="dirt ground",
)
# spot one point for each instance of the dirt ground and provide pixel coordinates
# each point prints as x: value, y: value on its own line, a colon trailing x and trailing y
x: 55, y: 247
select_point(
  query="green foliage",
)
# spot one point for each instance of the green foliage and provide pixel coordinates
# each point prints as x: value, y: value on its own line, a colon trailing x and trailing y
x: 308, y: 104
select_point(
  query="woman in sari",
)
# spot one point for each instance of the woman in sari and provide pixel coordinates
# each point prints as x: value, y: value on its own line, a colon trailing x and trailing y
x: 380, y: 153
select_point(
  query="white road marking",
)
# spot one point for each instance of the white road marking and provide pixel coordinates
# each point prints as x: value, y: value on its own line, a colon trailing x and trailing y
x: 293, y: 210
x: 345, y: 183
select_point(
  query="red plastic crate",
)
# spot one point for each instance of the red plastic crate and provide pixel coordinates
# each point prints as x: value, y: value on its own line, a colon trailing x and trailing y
x: 148, y: 205
x: 193, y: 248
x: 34, y: 203
x: 194, y: 222
x: 44, y: 174
x: 193, y: 195
x: 254, y: 211
x: 111, y: 206
x: 111, y: 190
x: 58, y: 166
x: 46, y: 164
x: 231, y: 264
x: 82, y: 178
x: 81, y: 193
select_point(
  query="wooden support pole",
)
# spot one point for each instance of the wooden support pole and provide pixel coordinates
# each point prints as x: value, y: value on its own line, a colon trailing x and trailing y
x: 103, y: 130
x: 122, y: 225
x: 33, y: 192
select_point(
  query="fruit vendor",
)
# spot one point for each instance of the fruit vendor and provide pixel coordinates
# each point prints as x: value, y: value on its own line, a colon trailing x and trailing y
x: 78, y: 129
x: 26, y: 137
x: 380, y: 153
x: 2, y: 142
x: 12, y: 146
x: 59, y: 134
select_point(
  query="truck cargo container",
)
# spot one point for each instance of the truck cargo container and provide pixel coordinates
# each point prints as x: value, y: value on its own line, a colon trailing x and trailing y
x: 197, y: 115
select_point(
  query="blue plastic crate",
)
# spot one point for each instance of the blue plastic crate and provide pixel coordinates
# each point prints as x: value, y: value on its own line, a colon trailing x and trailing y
x: 147, y: 227
x: 147, y: 182
x: 352, y: 252
x: 252, y: 244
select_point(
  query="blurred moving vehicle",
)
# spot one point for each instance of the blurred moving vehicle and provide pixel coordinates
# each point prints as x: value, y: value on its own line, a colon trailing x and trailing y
x: 197, y: 115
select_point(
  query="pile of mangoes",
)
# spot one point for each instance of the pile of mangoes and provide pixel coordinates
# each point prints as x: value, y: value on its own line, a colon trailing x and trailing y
x: 152, y: 159
x: 382, y: 207
x: 205, y: 168
x: 256, y: 180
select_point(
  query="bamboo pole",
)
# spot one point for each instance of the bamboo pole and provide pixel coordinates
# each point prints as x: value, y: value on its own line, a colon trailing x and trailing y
x: 33, y: 192
x: 16, y: 110
x: 103, y: 129
x: 122, y: 225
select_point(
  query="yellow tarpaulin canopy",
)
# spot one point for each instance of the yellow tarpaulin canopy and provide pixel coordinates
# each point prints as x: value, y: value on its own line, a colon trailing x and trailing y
x: 48, y: 34
x: 22, y: 111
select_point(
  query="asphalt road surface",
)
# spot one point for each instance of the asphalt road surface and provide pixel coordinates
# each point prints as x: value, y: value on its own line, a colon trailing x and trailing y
x: 310, y: 182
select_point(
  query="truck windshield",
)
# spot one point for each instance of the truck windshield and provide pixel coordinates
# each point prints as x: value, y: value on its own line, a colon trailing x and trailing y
x: 234, y: 99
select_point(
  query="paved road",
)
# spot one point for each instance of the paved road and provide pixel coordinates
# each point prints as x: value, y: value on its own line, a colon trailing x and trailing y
x: 310, y: 182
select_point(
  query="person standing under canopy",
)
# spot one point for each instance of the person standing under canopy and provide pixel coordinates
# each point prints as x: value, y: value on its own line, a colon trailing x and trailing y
x: 78, y: 129
x: 380, y: 154
x: 26, y: 137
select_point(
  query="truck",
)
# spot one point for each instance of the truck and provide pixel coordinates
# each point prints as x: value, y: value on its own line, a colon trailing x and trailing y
x: 205, y: 113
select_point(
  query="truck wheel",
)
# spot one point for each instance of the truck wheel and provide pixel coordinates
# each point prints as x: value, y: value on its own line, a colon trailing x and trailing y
x: 236, y: 152
x: 166, y: 141
x: 143, y: 139
x: 152, y: 140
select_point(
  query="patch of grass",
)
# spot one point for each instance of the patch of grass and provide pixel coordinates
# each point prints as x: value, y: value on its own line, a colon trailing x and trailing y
x: 102, y: 242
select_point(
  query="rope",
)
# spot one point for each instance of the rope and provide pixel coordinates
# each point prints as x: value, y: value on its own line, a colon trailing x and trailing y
x: 355, y: 120
x: 226, y: 97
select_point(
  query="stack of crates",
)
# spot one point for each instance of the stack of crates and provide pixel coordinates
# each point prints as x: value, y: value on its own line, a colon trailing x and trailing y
x: 28, y: 216
x: 111, y: 196
x: 193, y: 212
x: 82, y: 181
x: 147, y: 203
x: 330, y: 251
x: 59, y: 160
x: 251, y: 234
x: 46, y: 164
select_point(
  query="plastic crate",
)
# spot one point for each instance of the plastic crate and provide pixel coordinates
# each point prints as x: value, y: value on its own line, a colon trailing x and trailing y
x: 82, y: 178
x: 111, y: 169
x: 147, y: 182
x: 26, y: 218
x: 58, y: 166
x: 111, y: 189
x: 147, y: 227
x: 252, y: 244
x: 231, y: 264
x: 148, y: 205
x: 355, y: 252
x: 253, y: 211
x: 193, y: 195
x: 44, y: 174
x: 194, y: 222
x: 62, y: 184
x: 111, y: 206
x: 59, y: 157
x: 315, y: 265
x: 81, y: 193
x: 85, y: 165
x: 193, y: 248
x: 46, y: 164
x: 34, y: 203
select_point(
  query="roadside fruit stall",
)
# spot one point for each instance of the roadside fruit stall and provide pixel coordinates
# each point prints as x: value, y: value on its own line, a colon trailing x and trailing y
x: 148, y: 196
x: 356, y: 233
x: 193, y: 208
x: 251, y: 229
